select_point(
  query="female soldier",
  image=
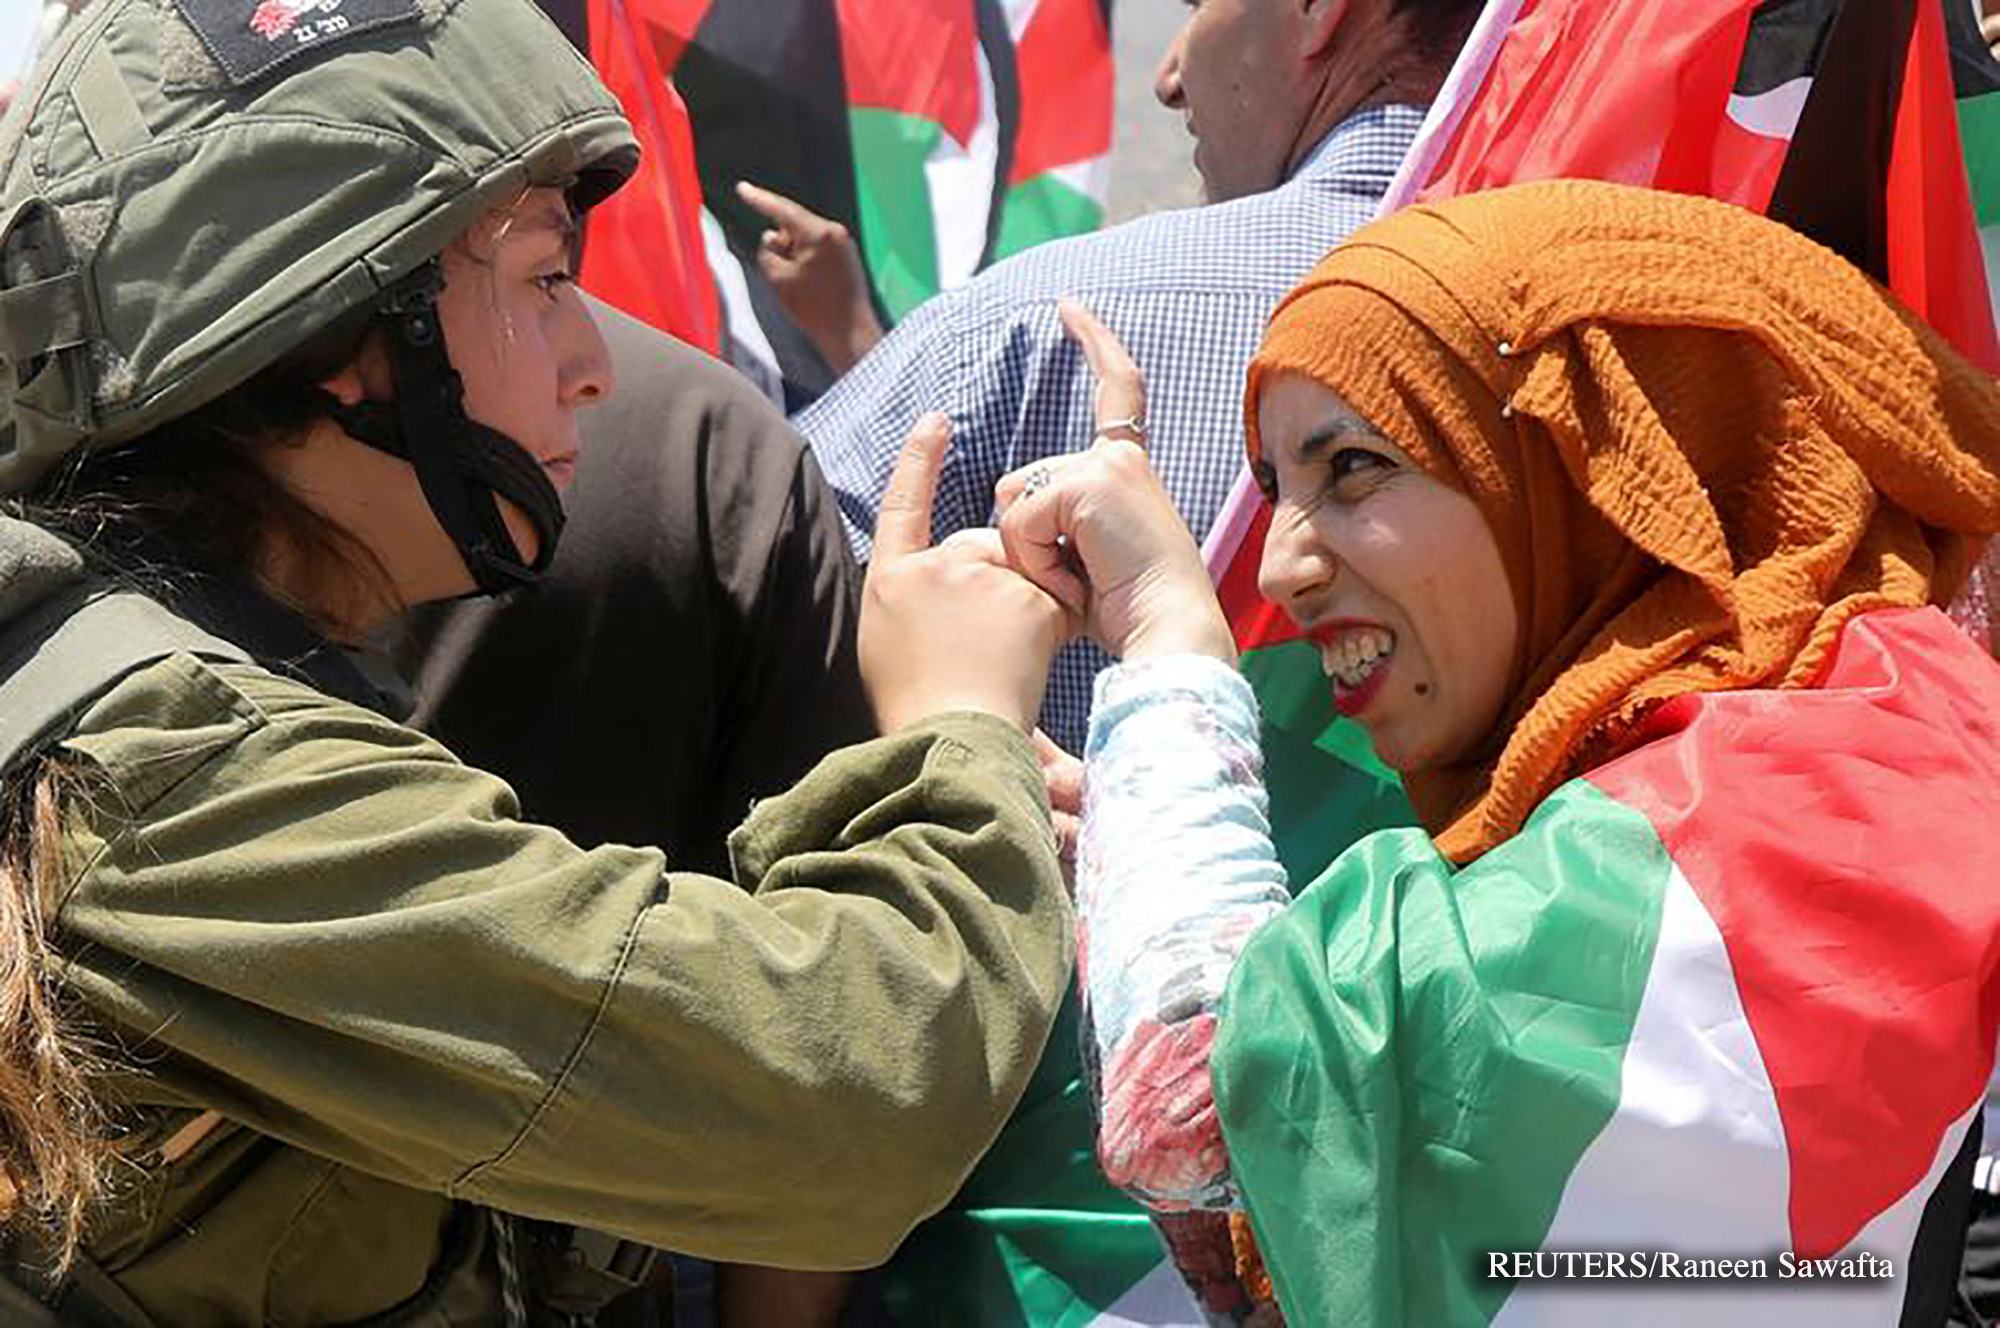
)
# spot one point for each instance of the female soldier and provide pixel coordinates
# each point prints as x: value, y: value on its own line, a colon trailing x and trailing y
x: 288, y: 344
x: 1615, y: 518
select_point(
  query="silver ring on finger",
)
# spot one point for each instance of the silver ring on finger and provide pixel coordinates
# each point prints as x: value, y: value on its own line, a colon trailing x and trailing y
x: 1132, y: 429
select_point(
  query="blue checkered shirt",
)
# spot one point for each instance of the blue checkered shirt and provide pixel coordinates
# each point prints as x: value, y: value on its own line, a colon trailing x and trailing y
x: 1188, y: 292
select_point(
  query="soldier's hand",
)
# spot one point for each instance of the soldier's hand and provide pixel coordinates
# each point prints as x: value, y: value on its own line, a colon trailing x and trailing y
x: 951, y: 627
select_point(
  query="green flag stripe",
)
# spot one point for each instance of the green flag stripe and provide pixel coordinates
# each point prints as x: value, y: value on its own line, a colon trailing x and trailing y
x: 898, y: 223
x: 1036, y: 1237
x: 1043, y: 208
x: 1067, y: 1269
x: 1979, y: 129
x: 1295, y: 695
x: 1327, y: 786
x: 1412, y: 1060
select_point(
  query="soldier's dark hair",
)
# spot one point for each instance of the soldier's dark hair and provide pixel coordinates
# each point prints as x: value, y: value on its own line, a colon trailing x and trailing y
x: 190, y: 494
x: 193, y: 491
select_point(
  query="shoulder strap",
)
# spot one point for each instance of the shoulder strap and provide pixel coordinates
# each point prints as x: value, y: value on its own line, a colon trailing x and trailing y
x: 85, y: 1297
x: 76, y: 649
x: 52, y: 665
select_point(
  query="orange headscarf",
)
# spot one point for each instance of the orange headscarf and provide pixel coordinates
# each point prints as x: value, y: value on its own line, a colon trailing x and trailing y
x: 1702, y: 442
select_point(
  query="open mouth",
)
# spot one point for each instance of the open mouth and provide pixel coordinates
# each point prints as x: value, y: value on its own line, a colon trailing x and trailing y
x: 1356, y: 660
x: 1350, y: 660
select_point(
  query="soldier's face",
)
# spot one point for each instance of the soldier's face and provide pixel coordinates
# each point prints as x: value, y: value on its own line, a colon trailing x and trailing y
x: 522, y: 339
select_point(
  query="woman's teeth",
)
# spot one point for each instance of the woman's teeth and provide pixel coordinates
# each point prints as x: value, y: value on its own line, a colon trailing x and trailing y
x: 1354, y: 656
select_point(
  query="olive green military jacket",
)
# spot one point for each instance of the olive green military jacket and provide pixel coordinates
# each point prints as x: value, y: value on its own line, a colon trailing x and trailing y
x: 289, y: 910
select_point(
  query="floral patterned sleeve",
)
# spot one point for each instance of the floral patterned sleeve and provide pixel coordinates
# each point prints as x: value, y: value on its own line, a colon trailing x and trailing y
x: 1176, y: 870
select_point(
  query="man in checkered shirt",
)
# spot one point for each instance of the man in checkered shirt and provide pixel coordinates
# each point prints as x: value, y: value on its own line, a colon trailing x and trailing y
x: 1301, y: 111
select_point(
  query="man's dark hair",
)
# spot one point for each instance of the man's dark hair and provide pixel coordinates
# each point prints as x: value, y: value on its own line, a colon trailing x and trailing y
x: 1440, y: 26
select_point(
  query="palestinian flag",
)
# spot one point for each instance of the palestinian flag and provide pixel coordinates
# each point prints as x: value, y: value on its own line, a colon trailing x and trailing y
x: 646, y: 252
x: 1061, y: 167
x: 1037, y: 1238
x: 944, y: 134
x: 1836, y: 116
x: 1976, y: 82
x: 1730, y: 997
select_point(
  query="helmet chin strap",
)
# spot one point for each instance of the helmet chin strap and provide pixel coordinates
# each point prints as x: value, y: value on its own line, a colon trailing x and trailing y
x: 463, y: 466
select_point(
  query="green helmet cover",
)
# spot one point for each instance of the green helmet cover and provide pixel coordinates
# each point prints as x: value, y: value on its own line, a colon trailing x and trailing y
x: 189, y: 189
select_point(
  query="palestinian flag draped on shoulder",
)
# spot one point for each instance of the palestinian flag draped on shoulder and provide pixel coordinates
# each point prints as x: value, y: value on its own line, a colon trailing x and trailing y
x: 1664, y: 988
x: 944, y: 134
x: 1710, y: 1011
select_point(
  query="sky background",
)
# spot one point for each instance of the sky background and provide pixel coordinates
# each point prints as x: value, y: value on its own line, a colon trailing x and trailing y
x: 17, y: 23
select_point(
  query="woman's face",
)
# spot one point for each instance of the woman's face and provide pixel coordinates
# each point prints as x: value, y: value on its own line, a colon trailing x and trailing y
x: 521, y: 338
x: 530, y: 357
x: 1393, y: 575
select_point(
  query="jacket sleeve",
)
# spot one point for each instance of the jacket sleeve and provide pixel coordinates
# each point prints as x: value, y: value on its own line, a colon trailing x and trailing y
x: 324, y: 926
x: 1165, y: 907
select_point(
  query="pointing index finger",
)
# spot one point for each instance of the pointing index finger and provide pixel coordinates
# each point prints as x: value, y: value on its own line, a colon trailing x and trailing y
x: 776, y: 206
x: 903, y: 522
x: 1121, y: 388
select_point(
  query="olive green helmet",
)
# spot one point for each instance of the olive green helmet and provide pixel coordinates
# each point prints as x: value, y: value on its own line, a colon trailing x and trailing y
x: 191, y: 188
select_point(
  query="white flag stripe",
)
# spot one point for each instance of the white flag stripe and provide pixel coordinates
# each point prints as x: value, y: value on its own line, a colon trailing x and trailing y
x: 745, y: 344
x: 1020, y: 13
x: 1774, y: 114
x: 1160, y: 1299
x: 1656, y: 1181
x: 1091, y: 177
x: 960, y: 179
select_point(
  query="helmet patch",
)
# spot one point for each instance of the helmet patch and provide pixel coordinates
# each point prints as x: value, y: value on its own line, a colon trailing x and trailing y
x: 275, y: 18
x: 250, y: 38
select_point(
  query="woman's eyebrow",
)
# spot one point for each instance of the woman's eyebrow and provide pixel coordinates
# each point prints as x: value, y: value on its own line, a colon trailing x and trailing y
x: 1322, y: 439
x: 553, y: 232
x: 552, y: 218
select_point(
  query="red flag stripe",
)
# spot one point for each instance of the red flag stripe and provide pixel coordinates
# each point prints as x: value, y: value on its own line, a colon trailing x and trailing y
x: 1566, y: 97
x: 1935, y: 264
x: 671, y: 25
x: 916, y: 57
x: 645, y: 253
x: 1851, y: 894
x: 1063, y: 51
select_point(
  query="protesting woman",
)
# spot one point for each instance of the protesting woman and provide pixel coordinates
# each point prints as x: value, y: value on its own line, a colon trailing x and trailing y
x: 1616, y: 519
x: 297, y: 1015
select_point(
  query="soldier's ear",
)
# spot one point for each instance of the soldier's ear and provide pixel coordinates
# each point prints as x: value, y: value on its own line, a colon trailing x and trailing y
x: 366, y: 377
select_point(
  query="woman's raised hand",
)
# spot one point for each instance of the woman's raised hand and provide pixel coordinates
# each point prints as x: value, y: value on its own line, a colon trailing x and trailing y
x: 1097, y: 530
x: 951, y: 627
